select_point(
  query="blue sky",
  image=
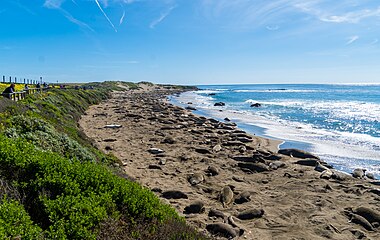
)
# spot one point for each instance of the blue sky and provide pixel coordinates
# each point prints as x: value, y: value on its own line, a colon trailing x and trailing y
x: 191, y: 41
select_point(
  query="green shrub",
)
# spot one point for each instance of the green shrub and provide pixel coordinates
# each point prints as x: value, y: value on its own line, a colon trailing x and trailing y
x: 45, y: 137
x: 75, y: 197
x: 15, y: 222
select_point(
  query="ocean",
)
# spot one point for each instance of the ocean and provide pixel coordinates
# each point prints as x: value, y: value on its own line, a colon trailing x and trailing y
x: 338, y: 122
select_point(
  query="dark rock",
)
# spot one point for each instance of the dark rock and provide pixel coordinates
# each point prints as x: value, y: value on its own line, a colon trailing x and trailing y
x: 255, y: 167
x: 216, y: 213
x: 243, y: 197
x: 250, y: 214
x: 222, y: 230
x: 196, y: 207
x: 219, y: 104
x: 256, y: 105
x: 108, y: 148
x: 110, y: 140
x: 174, y: 195
x: 212, y: 94
x: 297, y: 153
x: 227, y: 119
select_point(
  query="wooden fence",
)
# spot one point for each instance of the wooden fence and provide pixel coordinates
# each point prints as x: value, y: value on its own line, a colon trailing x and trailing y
x: 20, y: 80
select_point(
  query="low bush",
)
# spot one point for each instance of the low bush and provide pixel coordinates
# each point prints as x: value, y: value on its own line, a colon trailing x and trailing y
x: 15, y: 223
x: 74, y: 197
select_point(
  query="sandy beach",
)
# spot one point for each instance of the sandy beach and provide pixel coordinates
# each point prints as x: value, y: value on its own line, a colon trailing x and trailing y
x: 225, y: 182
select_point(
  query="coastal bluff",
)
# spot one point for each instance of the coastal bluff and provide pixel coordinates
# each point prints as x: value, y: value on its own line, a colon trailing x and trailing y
x: 226, y: 182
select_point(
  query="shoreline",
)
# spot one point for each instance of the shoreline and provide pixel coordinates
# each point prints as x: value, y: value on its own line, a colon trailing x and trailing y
x: 190, y: 160
x: 292, y: 136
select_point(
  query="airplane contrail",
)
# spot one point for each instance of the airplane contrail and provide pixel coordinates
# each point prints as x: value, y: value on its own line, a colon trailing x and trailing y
x: 105, y: 15
x: 122, y: 18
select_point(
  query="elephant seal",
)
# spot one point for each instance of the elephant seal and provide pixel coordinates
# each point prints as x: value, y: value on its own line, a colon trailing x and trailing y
x: 221, y: 229
x: 243, y: 197
x: 359, y: 173
x: 212, y: 170
x: 251, y: 214
x: 196, y: 179
x: 195, y: 207
x: 226, y: 196
x: 361, y: 221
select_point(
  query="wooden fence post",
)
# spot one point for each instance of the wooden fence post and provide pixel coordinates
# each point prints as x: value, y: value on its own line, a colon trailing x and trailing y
x: 3, y: 79
x: 10, y: 79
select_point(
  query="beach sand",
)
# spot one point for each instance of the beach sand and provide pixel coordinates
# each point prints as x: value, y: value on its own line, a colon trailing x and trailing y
x: 191, y: 160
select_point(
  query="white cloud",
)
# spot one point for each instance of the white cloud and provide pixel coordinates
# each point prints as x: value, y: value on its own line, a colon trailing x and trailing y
x: 53, y: 4
x: 254, y: 13
x: 352, y: 39
x: 326, y: 15
x: 162, y: 17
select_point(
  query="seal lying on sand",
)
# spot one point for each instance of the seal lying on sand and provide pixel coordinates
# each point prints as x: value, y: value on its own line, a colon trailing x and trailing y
x: 196, y: 179
x: 226, y: 196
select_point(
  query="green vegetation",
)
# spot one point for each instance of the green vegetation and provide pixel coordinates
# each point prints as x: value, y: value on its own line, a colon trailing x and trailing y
x: 55, y: 185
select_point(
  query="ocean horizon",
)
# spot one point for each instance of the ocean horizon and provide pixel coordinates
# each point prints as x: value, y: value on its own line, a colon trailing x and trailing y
x: 338, y: 122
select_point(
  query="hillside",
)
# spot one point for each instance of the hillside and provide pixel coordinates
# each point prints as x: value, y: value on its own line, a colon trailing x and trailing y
x: 55, y: 185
